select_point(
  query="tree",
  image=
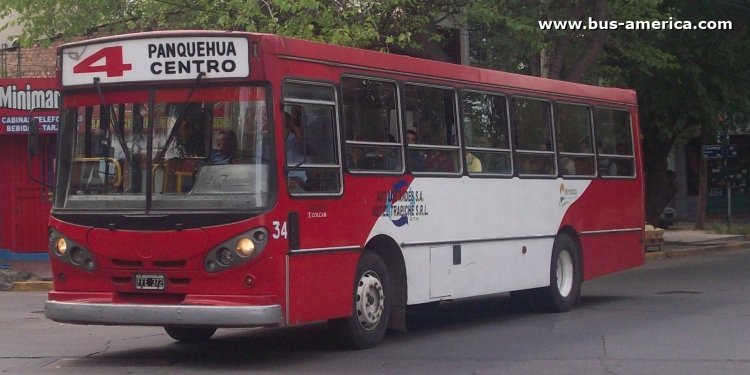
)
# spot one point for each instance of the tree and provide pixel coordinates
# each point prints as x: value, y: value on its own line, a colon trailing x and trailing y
x: 707, y: 80
x: 400, y: 24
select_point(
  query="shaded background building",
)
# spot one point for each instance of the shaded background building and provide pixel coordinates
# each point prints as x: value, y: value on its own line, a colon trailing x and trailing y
x: 24, y: 204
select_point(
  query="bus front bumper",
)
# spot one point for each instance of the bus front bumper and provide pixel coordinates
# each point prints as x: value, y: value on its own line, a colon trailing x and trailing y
x: 163, y: 315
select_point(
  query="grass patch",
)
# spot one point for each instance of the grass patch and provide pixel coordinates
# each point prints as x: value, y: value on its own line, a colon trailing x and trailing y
x: 742, y: 229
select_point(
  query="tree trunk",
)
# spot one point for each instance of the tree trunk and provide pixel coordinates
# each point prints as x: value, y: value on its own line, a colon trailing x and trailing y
x: 659, y: 184
x: 700, y: 217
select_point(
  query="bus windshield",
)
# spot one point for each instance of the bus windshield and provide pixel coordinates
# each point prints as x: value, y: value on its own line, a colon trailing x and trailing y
x: 192, y: 149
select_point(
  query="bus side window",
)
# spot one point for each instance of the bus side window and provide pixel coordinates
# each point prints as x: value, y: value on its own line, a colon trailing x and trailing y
x: 614, y: 141
x: 573, y: 136
x: 485, y: 124
x: 312, y: 162
x: 431, y: 115
x: 535, y: 151
x: 371, y: 126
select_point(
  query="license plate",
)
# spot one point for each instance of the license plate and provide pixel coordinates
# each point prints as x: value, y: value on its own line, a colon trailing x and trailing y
x: 150, y: 282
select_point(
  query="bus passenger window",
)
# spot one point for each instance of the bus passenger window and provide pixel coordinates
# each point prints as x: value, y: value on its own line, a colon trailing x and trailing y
x: 614, y: 143
x: 573, y: 135
x: 535, y: 152
x: 485, y: 124
x: 431, y: 119
x: 373, y: 141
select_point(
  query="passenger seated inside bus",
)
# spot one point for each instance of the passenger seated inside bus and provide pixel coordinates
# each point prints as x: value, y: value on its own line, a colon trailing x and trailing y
x: 372, y: 158
x: 473, y: 164
x: 417, y: 159
x: 606, y: 166
x: 296, y: 179
x: 226, y: 147
x: 184, y: 158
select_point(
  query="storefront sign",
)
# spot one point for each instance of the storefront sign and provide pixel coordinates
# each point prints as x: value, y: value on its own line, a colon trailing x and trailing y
x: 19, y: 96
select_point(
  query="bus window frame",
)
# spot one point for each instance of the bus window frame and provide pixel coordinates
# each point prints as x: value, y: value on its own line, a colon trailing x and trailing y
x: 591, y: 136
x: 632, y: 156
x: 400, y: 124
x: 516, y: 150
x: 336, y: 126
x: 456, y: 123
x: 467, y: 148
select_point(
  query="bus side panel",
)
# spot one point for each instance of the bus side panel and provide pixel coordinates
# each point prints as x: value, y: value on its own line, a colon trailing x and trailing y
x: 321, y: 285
x: 605, y: 254
x: 609, y: 220
x: 464, y: 270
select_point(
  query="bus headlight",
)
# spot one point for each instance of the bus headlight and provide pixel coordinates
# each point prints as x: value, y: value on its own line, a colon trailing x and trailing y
x: 70, y: 252
x: 236, y: 251
x: 61, y: 246
x: 245, y: 247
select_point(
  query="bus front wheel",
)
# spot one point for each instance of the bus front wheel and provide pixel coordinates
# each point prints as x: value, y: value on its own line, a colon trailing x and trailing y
x: 190, y: 334
x: 371, y: 308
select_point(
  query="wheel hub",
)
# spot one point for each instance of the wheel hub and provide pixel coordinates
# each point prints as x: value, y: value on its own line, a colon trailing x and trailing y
x: 564, y: 273
x: 369, y: 300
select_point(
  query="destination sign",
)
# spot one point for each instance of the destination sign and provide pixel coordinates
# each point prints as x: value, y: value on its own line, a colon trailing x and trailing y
x: 155, y: 59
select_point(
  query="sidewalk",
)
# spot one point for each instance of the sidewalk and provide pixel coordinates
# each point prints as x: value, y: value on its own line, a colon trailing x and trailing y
x: 24, y: 272
x: 683, y: 240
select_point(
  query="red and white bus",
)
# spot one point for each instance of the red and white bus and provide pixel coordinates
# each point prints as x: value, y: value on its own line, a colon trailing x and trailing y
x: 226, y: 179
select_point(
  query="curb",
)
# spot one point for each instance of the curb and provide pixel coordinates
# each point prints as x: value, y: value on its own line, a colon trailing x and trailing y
x: 31, y: 286
x: 697, y: 250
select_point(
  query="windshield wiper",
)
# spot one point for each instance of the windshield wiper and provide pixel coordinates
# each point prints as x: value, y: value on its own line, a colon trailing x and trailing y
x: 174, y: 130
x: 110, y: 129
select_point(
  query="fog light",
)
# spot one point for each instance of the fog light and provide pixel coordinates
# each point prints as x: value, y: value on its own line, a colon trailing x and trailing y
x: 249, y: 281
x: 245, y: 247
x: 61, y: 246
x: 89, y: 265
x: 211, y: 266
x: 224, y: 256
x: 260, y: 236
x: 77, y: 256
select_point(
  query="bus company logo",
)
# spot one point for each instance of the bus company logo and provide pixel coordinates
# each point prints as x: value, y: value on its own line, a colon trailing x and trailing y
x: 409, y: 205
x: 567, y: 195
x: 222, y: 181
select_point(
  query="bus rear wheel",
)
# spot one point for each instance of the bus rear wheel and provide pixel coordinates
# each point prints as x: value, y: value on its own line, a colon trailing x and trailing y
x: 190, y: 334
x: 371, y: 307
x: 564, y: 290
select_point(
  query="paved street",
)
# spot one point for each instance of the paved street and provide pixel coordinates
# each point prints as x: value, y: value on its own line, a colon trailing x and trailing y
x: 685, y: 315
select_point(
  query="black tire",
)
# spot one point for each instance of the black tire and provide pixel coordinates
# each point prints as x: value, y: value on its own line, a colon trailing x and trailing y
x: 565, y: 277
x: 190, y: 334
x: 528, y: 300
x: 371, y: 305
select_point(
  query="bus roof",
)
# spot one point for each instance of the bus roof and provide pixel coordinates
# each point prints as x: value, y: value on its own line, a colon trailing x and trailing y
x: 373, y: 62
x: 417, y: 68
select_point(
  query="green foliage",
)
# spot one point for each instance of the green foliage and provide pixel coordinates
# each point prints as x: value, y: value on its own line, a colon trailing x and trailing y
x: 369, y: 24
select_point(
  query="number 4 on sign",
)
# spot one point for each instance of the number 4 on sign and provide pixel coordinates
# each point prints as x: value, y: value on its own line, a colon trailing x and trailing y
x: 112, y: 63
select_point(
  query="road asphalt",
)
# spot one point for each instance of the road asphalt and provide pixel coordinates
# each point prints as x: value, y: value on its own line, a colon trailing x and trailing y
x: 21, y: 275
